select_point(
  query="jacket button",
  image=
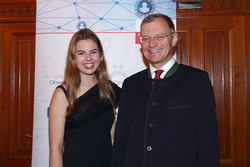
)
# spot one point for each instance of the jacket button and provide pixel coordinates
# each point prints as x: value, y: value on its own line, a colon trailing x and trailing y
x: 149, y: 148
x: 152, y: 125
x: 154, y: 103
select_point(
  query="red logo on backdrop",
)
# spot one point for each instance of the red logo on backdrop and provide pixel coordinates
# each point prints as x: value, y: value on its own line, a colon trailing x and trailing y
x: 137, y: 38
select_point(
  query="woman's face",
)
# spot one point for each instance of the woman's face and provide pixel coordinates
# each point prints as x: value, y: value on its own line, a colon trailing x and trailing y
x: 87, y: 57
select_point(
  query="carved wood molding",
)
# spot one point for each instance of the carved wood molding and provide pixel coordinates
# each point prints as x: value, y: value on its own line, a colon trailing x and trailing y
x: 17, y: 12
x: 222, y: 5
x: 216, y: 6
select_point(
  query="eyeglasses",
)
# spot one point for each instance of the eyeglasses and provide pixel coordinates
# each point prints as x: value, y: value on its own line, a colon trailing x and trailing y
x: 157, y: 38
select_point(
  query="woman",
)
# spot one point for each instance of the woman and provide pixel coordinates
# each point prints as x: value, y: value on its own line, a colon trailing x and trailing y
x: 81, y: 117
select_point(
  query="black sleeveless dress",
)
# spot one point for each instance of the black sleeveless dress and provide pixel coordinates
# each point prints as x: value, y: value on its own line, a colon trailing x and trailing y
x: 87, y: 131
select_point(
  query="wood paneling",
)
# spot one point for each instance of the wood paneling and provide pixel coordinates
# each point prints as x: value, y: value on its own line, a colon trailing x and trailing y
x: 247, y: 6
x: 214, y: 7
x: 183, y: 51
x: 218, y: 64
x: 17, y: 48
x: 247, y: 20
x: 21, y: 97
x: 17, y: 1
x: 24, y: 11
x: 18, y: 60
x: 248, y: 79
x: 2, y: 115
x: 217, y: 45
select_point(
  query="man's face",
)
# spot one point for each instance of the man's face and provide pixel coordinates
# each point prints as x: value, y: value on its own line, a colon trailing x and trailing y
x: 157, y: 42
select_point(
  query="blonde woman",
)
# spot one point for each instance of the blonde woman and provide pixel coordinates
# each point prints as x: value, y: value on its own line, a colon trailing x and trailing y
x: 81, y: 116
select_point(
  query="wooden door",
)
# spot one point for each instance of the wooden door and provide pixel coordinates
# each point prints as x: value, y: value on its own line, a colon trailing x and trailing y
x: 17, y: 60
x: 216, y: 44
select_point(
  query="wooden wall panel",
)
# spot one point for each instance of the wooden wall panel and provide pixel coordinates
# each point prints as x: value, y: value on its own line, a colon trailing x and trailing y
x: 247, y: 7
x: 218, y: 65
x: 2, y: 115
x: 18, y: 60
x: 183, y: 46
x: 217, y: 45
x: 17, y: 49
x: 4, y: 112
x: 248, y: 79
x: 238, y: 46
x: 21, y: 98
x: 247, y: 19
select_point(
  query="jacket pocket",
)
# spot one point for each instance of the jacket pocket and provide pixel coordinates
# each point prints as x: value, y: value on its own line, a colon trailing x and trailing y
x: 178, y: 107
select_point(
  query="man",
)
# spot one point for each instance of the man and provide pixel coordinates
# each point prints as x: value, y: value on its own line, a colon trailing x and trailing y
x: 167, y: 122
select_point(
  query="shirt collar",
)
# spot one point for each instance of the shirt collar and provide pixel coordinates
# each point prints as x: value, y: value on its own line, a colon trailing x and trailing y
x: 165, y: 68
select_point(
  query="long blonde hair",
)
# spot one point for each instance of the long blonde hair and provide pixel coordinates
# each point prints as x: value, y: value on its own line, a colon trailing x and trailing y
x: 72, y: 78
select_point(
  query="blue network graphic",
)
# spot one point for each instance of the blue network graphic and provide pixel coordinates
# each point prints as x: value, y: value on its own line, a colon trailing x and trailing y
x: 65, y: 16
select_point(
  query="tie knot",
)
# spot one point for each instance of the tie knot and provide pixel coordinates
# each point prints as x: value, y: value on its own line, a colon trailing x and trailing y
x: 158, y: 74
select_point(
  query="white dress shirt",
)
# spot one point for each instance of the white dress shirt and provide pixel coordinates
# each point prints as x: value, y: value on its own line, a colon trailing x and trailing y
x: 165, y: 68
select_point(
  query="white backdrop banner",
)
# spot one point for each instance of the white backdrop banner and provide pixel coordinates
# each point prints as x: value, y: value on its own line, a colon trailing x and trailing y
x: 116, y: 23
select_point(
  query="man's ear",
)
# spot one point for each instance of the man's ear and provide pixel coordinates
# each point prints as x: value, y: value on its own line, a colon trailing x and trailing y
x: 174, y: 39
